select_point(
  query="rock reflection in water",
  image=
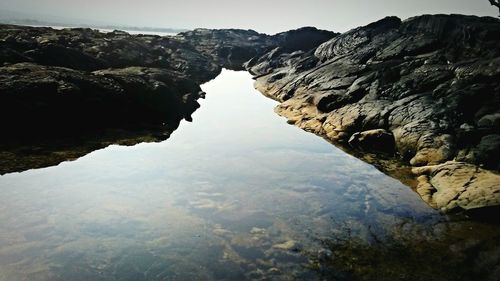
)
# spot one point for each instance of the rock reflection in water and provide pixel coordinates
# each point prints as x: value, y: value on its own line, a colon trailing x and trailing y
x: 235, y: 195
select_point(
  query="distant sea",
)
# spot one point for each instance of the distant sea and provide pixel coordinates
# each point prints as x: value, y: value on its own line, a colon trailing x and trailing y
x: 106, y: 30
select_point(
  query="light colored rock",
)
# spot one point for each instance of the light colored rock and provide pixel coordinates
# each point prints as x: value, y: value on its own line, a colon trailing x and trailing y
x: 257, y: 231
x: 457, y: 184
x: 273, y: 271
x: 391, y: 76
x: 286, y: 246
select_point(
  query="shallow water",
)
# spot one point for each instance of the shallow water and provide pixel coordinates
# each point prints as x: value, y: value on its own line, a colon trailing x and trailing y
x: 236, y: 194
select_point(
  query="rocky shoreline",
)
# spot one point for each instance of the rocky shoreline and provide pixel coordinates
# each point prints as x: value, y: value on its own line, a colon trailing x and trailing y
x: 424, y: 91
x: 419, y: 98
x: 65, y: 93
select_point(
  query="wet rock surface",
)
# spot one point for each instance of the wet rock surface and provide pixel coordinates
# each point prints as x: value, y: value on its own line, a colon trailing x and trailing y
x: 425, y: 90
x: 64, y: 93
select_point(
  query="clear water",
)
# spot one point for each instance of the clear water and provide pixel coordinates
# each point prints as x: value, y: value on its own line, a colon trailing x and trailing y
x: 236, y: 194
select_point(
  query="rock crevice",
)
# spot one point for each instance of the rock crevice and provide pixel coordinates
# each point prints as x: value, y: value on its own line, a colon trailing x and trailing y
x: 425, y: 90
x: 423, y: 93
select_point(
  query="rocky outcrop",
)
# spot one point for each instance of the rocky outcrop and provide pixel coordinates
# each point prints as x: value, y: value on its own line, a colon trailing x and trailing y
x: 50, y: 114
x: 232, y: 48
x: 425, y: 91
x: 64, y: 93
x: 36, y: 96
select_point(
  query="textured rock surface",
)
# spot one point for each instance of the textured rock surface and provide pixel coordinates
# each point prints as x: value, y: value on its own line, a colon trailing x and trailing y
x: 425, y: 90
x: 64, y: 93
x: 456, y: 184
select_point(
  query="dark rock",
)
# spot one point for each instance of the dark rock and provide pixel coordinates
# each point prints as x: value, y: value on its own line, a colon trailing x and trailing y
x: 50, y: 102
x: 79, y: 89
x: 406, y: 87
x: 426, y: 89
x: 377, y: 139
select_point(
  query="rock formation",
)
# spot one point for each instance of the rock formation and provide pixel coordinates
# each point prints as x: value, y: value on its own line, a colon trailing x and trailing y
x: 420, y: 95
x: 425, y: 92
x: 64, y: 93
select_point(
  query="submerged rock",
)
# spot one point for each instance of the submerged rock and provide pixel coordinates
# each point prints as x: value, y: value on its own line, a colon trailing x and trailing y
x: 425, y: 90
x: 289, y: 245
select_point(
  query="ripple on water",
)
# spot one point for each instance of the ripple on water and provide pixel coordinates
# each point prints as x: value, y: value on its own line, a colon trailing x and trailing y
x: 236, y: 194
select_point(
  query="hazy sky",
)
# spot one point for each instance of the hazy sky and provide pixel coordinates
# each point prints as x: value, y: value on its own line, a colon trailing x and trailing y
x: 268, y: 16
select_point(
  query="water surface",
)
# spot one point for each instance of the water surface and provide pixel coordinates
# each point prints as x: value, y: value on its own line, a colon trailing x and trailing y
x: 237, y: 194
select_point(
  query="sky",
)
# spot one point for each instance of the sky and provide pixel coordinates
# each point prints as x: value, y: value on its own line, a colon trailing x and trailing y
x: 268, y: 16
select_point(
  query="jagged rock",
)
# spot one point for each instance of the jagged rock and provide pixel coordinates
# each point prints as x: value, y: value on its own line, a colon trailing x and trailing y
x: 425, y: 89
x: 59, y: 101
x: 430, y: 83
x: 77, y: 90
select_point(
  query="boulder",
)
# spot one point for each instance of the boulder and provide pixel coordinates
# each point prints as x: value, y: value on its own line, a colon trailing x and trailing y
x: 373, y: 140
